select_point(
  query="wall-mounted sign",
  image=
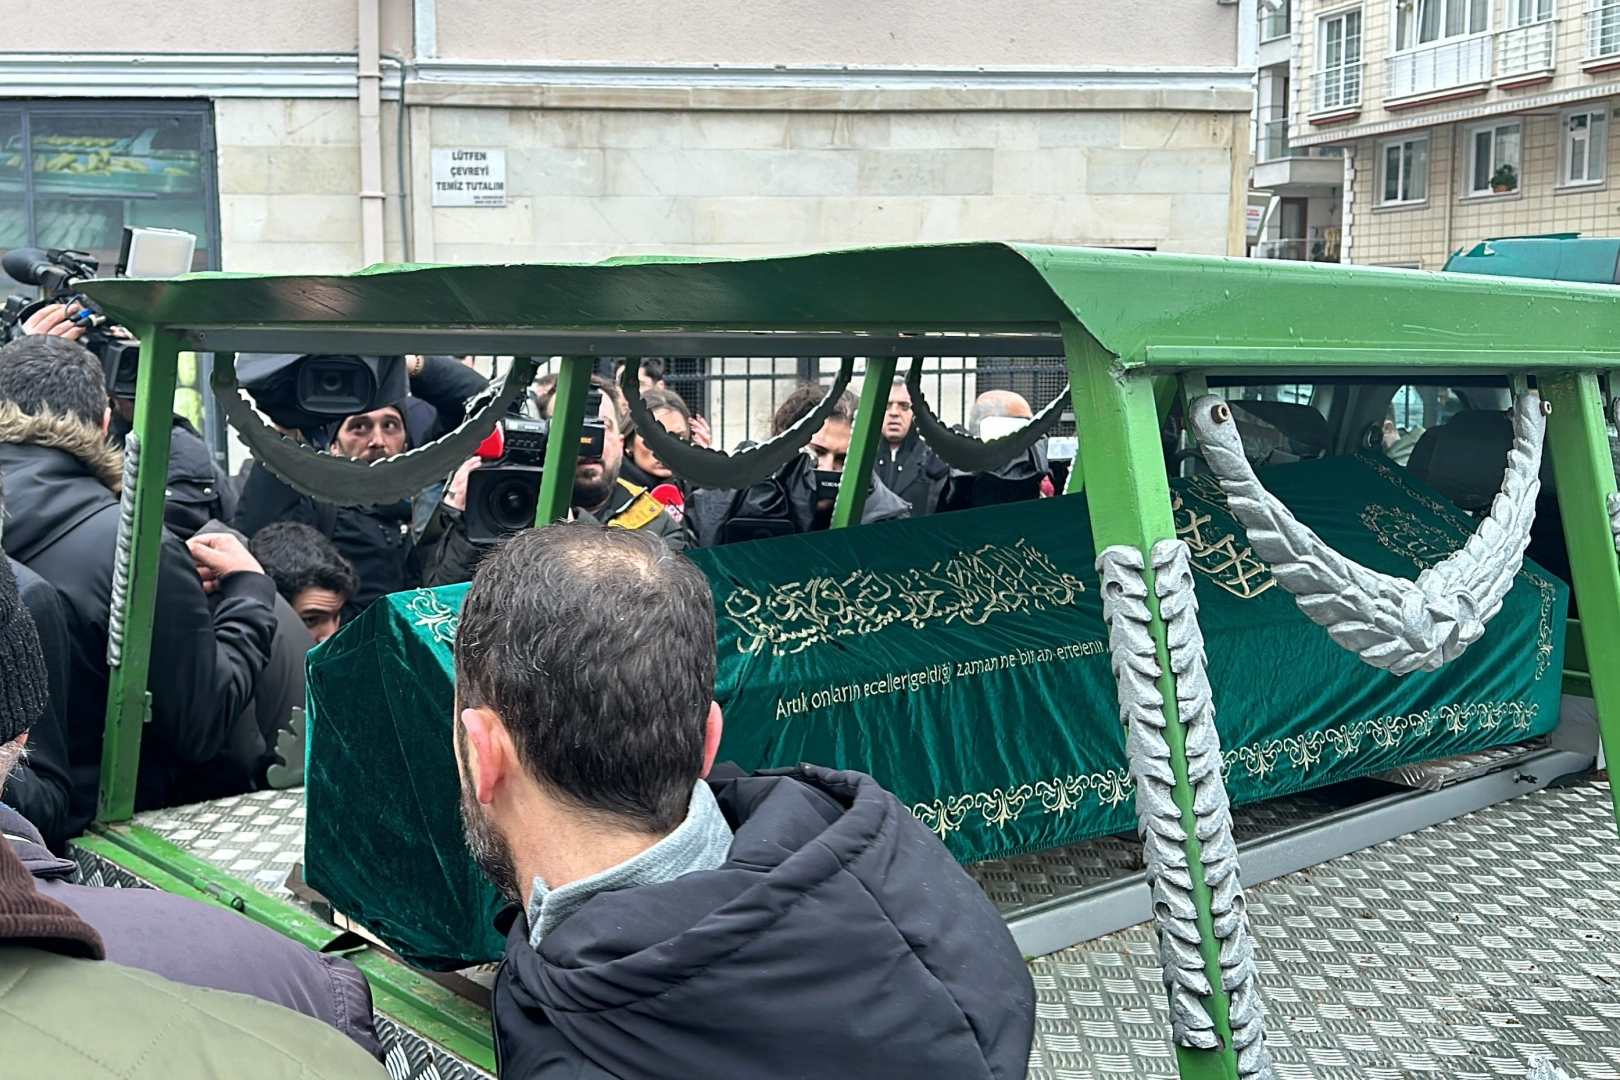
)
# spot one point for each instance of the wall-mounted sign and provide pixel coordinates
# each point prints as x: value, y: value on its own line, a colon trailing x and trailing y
x: 469, y: 177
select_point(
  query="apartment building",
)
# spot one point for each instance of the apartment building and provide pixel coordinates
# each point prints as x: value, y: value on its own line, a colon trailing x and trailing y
x: 1457, y: 120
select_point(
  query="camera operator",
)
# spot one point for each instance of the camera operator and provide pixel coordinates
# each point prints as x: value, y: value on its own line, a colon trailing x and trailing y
x: 379, y: 542
x: 197, y: 488
x: 800, y: 496
x: 62, y: 517
x: 601, y: 495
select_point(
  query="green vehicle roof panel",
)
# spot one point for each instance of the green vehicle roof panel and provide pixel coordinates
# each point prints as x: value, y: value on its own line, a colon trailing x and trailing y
x: 1142, y: 307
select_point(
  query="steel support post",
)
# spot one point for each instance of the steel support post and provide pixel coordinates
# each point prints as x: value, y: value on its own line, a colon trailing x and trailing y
x: 134, y: 602
x: 1117, y: 418
x: 1583, y: 469
x: 863, y: 442
x: 562, y: 442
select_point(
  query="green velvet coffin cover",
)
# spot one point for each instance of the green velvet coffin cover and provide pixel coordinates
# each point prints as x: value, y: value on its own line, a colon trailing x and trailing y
x: 962, y: 660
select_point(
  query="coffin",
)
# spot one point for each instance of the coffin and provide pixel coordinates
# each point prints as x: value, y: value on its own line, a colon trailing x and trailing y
x: 962, y: 660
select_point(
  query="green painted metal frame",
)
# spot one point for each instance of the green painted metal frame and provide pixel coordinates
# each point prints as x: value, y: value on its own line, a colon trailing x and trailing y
x: 562, y: 442
x: 1124, y: 317
x: 1583, y: 469
x: 1128, y: 495
x: 863, y: 442
x: 128, y: 702
x: 398, y: 991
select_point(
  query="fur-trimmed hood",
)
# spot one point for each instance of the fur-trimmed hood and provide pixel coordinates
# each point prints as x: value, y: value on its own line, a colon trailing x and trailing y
x: 68, y: 434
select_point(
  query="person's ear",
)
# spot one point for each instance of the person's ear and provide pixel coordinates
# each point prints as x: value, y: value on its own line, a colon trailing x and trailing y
x: 712, y: 731
x: 106, y: 420
x: 489, y: 754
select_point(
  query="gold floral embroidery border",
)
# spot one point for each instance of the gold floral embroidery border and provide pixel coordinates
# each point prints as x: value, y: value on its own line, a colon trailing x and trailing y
x: 1059, y: 795
x: 440, y: 618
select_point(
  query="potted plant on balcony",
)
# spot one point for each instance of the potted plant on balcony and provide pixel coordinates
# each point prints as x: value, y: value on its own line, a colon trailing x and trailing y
x: 1504, y: 179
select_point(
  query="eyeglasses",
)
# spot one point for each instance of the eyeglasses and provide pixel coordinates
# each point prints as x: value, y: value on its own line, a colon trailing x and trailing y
x: 899, y: 406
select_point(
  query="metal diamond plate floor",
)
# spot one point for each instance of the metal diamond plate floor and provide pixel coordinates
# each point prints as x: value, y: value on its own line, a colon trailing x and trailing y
x: 256, y: 837
x: 1025, y: 880
x: 1461, y: 951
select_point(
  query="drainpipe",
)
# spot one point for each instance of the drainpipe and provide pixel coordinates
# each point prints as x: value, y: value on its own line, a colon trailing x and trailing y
x: 1450, y: 193
x: 369, y: 77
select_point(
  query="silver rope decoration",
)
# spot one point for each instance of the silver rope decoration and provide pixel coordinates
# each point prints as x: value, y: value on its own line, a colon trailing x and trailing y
x: 1390, y: 622
x: 1614, y: 520
x: 1141, y: 706
x: 123, y: 551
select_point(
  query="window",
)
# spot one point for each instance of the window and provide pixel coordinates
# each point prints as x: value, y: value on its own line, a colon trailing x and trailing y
x: 1338, y: 75
x: 1528, y: 12
x: 1585, y: 146
x: 1602, y: 28
x: 1420, y: 22
x: 1494, y: 159
x: 73, y: 175
x: 1406, y: 170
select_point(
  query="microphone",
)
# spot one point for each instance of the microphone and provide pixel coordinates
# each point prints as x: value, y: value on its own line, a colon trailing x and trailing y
x: 30, y: 266
x: 673, y: 500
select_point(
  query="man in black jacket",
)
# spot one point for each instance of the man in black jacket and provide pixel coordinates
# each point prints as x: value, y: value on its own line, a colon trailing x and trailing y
x: 62, y: 523
x: 905, y: 463
x: 794, y: 923
x: 379, y: 542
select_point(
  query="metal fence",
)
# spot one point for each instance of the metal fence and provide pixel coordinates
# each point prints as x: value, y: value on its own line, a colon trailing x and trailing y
x: 739, y: 395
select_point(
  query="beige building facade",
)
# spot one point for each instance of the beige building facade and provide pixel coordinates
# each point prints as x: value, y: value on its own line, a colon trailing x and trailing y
x: 1458, y: 120
x: 690, y: 127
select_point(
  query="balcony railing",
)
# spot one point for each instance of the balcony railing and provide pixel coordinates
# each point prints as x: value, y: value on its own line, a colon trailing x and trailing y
x: 1437, y: 67
x: 1274, y: 145
x: 1527, y: 48
x: 1603, y: 29
x: 1274, y: 24
x: 1274, y: 141
x: 1336, y: 88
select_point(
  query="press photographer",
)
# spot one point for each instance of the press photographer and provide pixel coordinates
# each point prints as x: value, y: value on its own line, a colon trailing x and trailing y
x: 483, y: 501
x: 198, y: 489
x: 368, y: 409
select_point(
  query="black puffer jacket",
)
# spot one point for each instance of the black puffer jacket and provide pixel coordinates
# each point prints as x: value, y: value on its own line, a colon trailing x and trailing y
x: 840, y: 940
x: 40, y: 787
x: 62, y: 523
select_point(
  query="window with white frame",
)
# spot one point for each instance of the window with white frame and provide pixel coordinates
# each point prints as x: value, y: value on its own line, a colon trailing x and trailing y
x: 1493, y: 158
x: 1406, y: 170
x: 1422, y: 22
x: 1585, y: 146
x: 1338, y: 62
x: 1602, y: 28
x: 1528, y: 12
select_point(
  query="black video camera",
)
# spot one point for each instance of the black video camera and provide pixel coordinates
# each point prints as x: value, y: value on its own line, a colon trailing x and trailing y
x: 312, y: 391
x: 502, y: 494
x: 59, y: 273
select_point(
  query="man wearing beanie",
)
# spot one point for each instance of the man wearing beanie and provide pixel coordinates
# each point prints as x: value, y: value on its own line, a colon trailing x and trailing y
x: 61, y: 521
x: 39, y: 786
x: 53, y: 976
x: 185, y: 940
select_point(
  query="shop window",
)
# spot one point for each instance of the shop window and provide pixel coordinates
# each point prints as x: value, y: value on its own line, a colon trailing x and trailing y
x: 74, y: 176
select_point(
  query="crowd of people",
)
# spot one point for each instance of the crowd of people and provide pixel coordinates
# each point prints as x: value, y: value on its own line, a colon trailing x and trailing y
x: 813, y: 903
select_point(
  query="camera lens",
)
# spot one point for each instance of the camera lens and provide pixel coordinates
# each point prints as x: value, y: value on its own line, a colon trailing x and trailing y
x: 512, y: 503
x: 331, y: 382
